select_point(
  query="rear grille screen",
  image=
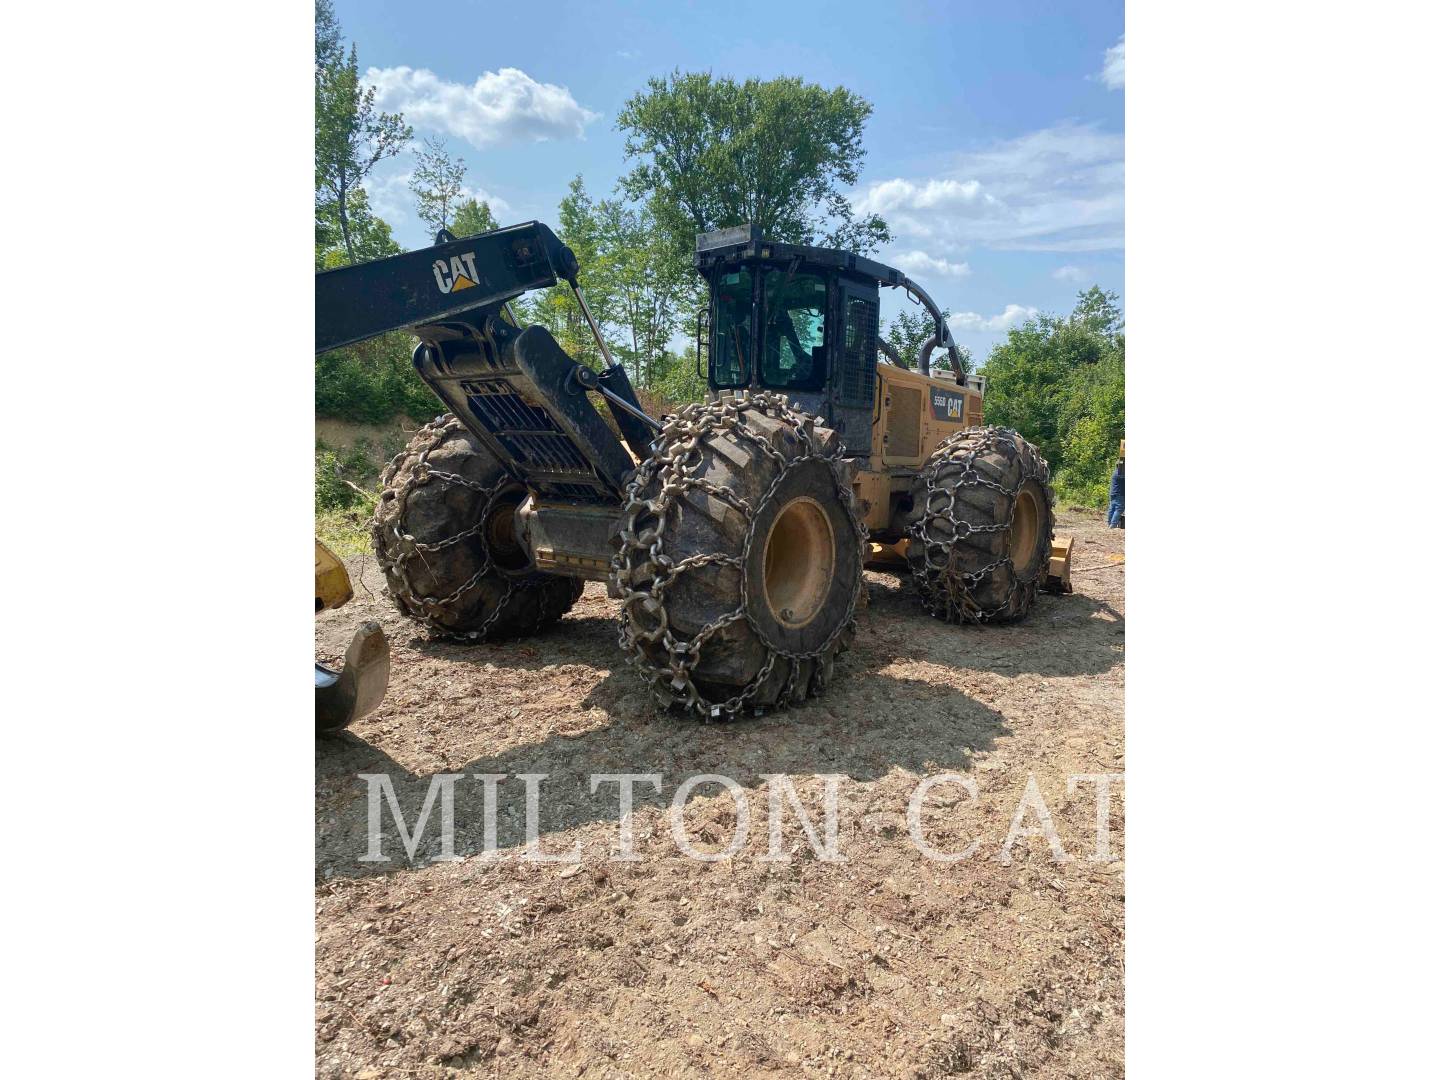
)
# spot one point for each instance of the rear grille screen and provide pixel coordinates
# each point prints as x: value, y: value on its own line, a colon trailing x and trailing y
x: 526, y: 431
x: 857, y: 379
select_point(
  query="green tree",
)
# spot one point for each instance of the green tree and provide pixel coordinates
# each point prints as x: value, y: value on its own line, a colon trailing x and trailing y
x: 351, y: 136
x: 1092, y: 418
x: 579, y: 225
x: 1060, y: 382
x: 372, y: 382
x: 369, y: 236
x: 438, y: 183
x: 911, y: 329
x: 328, y: 38
x: 678, y: 379
x: 635, y: 285
x: 779, y: 153
x: 1100, y: 311
x: 649, y: 288
x: 1025, y: 376
x: 473, y: 217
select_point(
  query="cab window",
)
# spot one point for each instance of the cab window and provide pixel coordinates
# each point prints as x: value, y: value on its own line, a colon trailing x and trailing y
x: 794, y: 338
x: 731, y: 363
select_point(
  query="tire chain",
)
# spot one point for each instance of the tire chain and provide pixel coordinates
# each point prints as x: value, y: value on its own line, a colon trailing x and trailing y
x: 641, y: 570
x: 955, y: 592
x: 427, y: 608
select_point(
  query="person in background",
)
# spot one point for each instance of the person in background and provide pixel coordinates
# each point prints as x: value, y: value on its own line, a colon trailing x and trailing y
x: 1117, y: 492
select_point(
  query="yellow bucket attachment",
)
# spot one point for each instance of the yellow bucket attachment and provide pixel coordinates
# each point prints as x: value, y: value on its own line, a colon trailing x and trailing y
x: 357, y: 687
x: 332, y: 583
x: 886, y: 556
x: 1058, y: 579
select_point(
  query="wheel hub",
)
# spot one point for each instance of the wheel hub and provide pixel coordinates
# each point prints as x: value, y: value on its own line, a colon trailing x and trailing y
x: 1024, y: 527
x: 799, y: 562
x: 505, y: 549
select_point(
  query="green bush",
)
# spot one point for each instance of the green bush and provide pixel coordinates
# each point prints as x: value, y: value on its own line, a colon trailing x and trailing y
x: 332, y: 471
x: 679, y: 381
x: 331, y: 492
x: 1094, y: 420
x: 1060, y: 382
x: 342, y: 513
x: 373, y: 382
x: 345, y: 532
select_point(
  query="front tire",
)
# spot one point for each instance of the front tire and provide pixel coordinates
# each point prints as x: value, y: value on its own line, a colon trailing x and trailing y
x: 443, y: 536
x: 981, y: 527
x: 739, y: 566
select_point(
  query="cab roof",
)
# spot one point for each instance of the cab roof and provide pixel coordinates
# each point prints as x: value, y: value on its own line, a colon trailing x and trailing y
x: 743, y: 243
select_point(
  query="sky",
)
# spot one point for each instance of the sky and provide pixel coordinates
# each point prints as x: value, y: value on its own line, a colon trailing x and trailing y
x: 995, y: 151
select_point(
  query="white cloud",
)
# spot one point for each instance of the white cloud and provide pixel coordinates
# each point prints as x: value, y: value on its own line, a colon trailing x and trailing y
x: 1061, y: 188
x: 933, y: 194
x: 498, y: 206
x: 1069, y: 273
x: 627, y: 54
x: 389, y: 194
x: 392, y: 200
x: 919, y: 264
x: 503, y: 106
x: 1113, y: 73
x: 974, y: 323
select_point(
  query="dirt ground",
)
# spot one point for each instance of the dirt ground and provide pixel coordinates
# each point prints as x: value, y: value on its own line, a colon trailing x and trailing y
x: 885, y: 964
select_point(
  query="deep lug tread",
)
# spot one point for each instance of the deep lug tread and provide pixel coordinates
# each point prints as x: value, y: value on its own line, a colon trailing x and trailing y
x: 699, y: 635
x: 964, y: 572
x: 436, y: 562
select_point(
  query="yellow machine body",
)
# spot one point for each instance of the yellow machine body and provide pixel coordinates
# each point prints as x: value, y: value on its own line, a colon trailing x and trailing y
x: 914, y: 414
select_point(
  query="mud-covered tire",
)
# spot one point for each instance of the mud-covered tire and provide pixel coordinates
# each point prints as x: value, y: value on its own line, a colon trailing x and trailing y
x: 739, y: 566
x: 442, y: 537
x: 981, y: 526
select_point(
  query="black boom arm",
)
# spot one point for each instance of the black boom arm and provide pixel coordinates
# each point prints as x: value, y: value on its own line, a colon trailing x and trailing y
x: 354, y: 303
x: 515, y: 389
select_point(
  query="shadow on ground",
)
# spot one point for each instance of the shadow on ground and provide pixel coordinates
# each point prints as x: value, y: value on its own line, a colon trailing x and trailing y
x: 875, y: 718
x: 864, y: 734
x: 1062, y: 636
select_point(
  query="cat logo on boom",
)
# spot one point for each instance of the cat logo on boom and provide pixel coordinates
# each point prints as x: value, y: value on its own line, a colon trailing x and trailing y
x: 456, y: 273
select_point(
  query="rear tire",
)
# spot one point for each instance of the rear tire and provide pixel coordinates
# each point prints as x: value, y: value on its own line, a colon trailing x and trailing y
x: 443, y: 538
x: 981, y: 528
x: 739, y: 567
